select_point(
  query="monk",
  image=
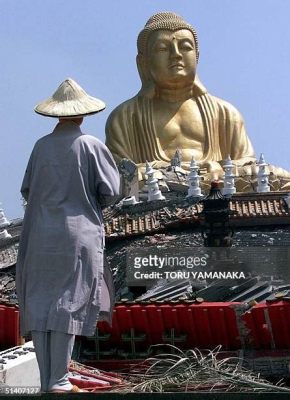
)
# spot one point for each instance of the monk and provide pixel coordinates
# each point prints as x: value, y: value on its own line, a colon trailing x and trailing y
x: 60, y: 273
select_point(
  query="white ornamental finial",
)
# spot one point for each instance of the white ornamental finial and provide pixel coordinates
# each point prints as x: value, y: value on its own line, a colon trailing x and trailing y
x: 262, y: 161
x: 3, y: 224
x: 229, y: 177
x: 193, y: 163
x: 3, y: 220
x: 152, y: 183
x: 193, y: 180
x: 262, y: 176
x: 149, y: 170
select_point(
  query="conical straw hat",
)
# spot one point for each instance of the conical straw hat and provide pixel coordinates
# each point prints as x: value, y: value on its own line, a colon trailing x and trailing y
x: 70, y: 100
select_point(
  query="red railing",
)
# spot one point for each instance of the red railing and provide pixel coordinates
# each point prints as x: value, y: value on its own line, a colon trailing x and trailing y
x: 187, y: 325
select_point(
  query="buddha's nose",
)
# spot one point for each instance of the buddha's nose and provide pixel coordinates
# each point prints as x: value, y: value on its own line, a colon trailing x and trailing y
x: 175, y: 52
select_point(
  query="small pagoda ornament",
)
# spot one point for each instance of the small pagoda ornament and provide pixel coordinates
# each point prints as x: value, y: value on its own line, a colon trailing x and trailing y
x: 176, y: 160
x: 3, y: 224
x: 194, y: 189
x: 154, y: 193
x: 229, y: 178
x: 262, y: 176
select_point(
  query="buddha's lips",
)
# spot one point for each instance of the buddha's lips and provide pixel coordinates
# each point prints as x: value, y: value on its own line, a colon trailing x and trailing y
x: 176, y: 65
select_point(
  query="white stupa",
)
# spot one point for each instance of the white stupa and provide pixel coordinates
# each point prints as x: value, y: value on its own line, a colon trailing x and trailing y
x: 262, y: 176
x: 229, y: 178
x: 3, y: 224
x: 154, y: 193
x: 193, y: 178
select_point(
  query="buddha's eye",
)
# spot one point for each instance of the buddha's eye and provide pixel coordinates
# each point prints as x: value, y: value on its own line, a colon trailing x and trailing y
x: 161, y: 48
x: 186, y: 46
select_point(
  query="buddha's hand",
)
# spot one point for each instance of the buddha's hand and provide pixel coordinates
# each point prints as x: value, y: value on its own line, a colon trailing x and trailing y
x: 248, y: 170
x: 160, y: 164
x: 211, y: 166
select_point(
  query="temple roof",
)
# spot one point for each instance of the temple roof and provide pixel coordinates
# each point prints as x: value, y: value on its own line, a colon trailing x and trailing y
x: 249, y: 209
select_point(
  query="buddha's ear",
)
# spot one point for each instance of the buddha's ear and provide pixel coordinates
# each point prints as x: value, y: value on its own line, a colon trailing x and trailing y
x: 148, y: 86
x: 141, y: 65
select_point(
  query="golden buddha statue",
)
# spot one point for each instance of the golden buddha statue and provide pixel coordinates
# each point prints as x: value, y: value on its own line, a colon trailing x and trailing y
x: 173, y: 110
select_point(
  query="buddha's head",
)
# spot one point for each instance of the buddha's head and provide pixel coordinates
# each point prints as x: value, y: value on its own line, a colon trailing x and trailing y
x: 167, y: 53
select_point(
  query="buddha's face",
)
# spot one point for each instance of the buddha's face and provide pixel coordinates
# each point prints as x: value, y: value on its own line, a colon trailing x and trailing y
x: 171, y: 58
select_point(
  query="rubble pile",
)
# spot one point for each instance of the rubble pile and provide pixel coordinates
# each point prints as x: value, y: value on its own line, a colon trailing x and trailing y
x: 258, y: 287
x: 7, y: 288
x: 260, y: 290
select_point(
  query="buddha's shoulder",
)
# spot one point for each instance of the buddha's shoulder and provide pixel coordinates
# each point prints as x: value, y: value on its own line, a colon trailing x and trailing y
x: 226, y: 108
x: 126, y: 109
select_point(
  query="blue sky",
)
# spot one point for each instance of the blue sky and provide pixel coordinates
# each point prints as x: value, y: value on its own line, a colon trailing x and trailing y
x: 244, y: 59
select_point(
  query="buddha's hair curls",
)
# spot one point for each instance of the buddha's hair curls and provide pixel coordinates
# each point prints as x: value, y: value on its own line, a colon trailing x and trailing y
x: 164, y: 21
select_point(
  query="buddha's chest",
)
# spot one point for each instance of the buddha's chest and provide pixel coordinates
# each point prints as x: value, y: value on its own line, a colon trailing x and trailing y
x: 178, y: 122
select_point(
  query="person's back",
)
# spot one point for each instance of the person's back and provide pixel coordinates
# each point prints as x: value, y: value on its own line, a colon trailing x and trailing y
x: 64, y: 186
x: 60, y: 268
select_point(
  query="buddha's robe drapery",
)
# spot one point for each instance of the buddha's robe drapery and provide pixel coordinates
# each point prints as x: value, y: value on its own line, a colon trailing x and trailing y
x: 59, y: 272
x: 131, y: 134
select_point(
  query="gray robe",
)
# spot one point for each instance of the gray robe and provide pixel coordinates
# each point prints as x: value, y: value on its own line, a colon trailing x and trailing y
x: 59, y: 274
